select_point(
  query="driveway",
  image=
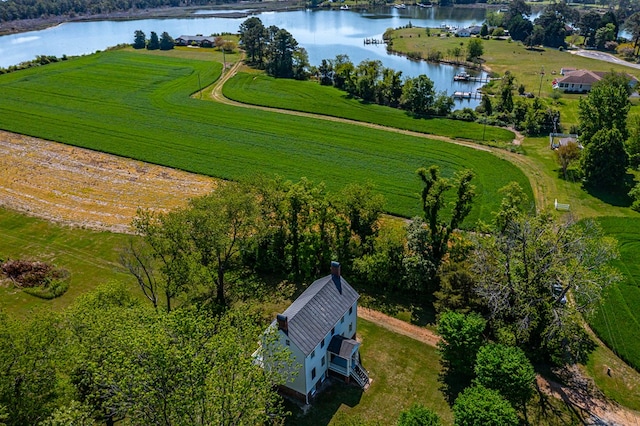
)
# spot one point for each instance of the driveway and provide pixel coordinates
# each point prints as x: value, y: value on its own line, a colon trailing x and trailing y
x: 601, y: 56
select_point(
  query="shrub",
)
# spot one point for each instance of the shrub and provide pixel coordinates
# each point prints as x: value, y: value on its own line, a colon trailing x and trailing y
x: 37, y: 278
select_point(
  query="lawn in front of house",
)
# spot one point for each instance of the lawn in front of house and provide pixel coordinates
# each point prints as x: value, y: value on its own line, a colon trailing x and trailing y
x: 534, y: 68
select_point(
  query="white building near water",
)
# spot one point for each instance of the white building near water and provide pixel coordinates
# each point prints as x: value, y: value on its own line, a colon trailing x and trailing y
x: 319, y: 328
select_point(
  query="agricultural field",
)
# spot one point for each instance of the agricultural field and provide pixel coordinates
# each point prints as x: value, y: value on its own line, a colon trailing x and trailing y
x: 617, y: 322
x: 94, y: 102
x: 309, y: 96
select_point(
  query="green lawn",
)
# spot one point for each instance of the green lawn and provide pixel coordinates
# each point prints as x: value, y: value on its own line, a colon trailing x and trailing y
x: 90, y: 257
x: 617, y: 322
x: 525, y: 64
x: 137, y: 105
x: 403, y: 371
x: 309, y: 96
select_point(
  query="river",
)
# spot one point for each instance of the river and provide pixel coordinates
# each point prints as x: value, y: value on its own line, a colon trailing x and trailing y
x: 323, y: 33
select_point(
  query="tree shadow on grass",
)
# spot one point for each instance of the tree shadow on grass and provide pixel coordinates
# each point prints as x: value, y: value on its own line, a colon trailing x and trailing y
x: 618, y: 196
x: 325, y: 405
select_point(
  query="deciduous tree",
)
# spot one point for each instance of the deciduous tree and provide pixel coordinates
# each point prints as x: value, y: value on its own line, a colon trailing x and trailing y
x: 418, y: 415
x: 605, y: 160
x: 537, y: 277
x: 479, y: 406
x: 507, y: 370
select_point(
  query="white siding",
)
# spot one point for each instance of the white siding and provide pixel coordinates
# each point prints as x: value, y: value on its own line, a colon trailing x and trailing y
x: 299, y: 383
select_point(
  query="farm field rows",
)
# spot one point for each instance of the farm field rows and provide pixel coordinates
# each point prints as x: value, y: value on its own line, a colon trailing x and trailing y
x: 138, y: 106
x: 309, y: 96
x: 76, y: 186
x: 617, y: 322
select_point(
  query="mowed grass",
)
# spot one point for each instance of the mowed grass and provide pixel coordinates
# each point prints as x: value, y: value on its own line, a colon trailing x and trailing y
x: 138, y: 106
x: 91, y: 258
x: 617, y: 322
x: 403, y: 371
x: 525, y: 64
x: 309, y: 96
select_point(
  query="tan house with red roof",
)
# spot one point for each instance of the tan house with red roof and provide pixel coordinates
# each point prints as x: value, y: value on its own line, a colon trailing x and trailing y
x: 581, y: 81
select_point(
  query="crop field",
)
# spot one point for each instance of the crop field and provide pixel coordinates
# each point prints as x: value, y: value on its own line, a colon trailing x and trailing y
x: 138, y: 106
x: 309, y: 96
x: 617, y: 322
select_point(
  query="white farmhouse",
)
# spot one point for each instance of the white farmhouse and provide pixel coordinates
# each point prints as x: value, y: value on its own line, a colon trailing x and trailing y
x: 319, y: 328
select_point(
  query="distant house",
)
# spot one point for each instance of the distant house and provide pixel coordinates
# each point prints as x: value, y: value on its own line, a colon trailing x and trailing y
x: 475, y: 29
x: 195, y: 40
x: 319, y: 328
x: 581, y: 81
x: 556, y: 140
x: 463, y: 32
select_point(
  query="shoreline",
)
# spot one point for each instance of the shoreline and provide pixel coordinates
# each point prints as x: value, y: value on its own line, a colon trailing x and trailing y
x: 244, y: 9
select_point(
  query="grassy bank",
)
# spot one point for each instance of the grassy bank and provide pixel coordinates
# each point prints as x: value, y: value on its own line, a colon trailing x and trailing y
x: 309, y: 96
x: 137, y: 105
x: 90, y: 257
x: 502, y: 55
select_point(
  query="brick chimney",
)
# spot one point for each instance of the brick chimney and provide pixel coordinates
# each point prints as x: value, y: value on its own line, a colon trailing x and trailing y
x: 283, y: 323
x: 335, y: 276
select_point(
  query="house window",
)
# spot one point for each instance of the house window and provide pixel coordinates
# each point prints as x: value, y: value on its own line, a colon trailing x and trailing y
x: 341, y: 320
x: 350, y: 310
x: 287, y: 342
x: 322, y: 343
x: 322, y: 362
x: 313, y: 354
x: 313, y: 373
x: 333, y: 331
x: 350, y: 327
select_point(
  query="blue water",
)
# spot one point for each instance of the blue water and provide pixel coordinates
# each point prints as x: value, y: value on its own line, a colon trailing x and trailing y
x: 323, y: 33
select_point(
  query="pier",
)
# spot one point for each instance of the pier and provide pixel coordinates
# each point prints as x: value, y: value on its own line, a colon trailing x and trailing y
x: 373, y: 41
x: 473, y: 79
x: 467, y: 95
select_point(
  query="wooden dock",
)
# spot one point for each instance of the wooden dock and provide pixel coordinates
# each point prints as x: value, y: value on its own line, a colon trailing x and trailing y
x: 472, y: 79
x: 467, y: 95
x: 373, y: 41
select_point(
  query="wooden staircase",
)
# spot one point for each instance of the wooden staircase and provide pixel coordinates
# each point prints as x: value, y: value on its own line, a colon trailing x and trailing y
x: 360, y: 375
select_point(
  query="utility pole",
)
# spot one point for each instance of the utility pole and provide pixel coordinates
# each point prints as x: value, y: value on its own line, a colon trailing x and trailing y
x: 541, y: 76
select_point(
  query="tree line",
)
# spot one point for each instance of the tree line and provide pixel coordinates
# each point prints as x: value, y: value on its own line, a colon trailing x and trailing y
x: 110, y: 359
x: 276, y: 51
x: 11, y: 10
x: 164, y: 42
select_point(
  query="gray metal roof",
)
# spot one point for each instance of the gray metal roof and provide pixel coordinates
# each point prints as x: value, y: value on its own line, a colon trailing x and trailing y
x: 317, y: 310
x: 342, y: 346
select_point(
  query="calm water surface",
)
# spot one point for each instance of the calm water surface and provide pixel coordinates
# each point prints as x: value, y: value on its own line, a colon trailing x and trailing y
x: 323, y: 33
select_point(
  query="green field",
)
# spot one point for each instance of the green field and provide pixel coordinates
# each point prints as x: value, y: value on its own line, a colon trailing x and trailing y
x: 525, y: 64
x: 309, y: 96
x: 617, y: 322
x: 138, y: 106
x: 90, y: 257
